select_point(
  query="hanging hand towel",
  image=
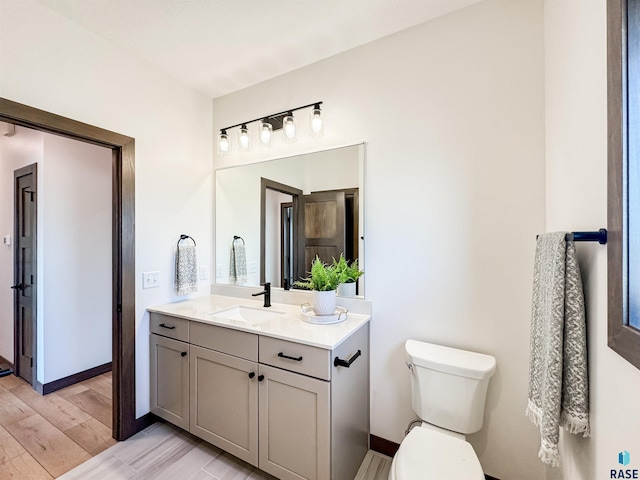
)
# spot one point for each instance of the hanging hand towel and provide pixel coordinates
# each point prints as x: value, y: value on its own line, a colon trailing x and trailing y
x: 186, y: 270
x: 238, y: 262
x: 558, y: 384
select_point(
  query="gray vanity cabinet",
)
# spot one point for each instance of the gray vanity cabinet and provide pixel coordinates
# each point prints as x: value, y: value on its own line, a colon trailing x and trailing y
x: 224, y: 402
x: 295, y: 419
x: 170, y: 389
x: 295, y: 411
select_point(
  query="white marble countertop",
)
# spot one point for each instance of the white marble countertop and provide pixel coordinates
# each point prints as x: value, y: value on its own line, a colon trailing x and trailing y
x: 288, y: 326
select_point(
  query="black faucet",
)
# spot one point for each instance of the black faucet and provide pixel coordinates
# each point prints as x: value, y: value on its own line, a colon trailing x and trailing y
x: 267, y: 294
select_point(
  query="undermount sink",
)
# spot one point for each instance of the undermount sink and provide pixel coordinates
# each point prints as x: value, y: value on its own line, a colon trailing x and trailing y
x: 248, y: 315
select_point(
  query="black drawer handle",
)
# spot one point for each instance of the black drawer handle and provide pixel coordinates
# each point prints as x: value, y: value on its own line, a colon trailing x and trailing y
x: 183, y: 354
x: 172, y: 327
x: 260, y: 378
x: 346, y: 363
x: 252, y: 374
x: 297, y: 359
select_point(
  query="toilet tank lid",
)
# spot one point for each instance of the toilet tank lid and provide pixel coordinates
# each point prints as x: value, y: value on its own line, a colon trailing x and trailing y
x: 450, y: 360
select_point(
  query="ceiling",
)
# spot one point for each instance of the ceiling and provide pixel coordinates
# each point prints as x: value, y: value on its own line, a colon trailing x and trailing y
x: 221, y: 46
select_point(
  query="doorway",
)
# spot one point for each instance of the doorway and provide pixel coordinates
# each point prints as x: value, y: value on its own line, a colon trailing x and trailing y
x: 122, y: 147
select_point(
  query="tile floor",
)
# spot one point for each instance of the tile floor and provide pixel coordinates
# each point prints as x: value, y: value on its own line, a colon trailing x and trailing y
x: 165, y: 452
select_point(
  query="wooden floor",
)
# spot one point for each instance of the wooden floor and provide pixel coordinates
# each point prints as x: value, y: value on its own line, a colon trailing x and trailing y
x: 165, y: 452
x: 67, y: 435
x: 43, y: 437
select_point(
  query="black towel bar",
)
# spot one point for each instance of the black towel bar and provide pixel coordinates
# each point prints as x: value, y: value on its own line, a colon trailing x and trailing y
x: 600, y: 236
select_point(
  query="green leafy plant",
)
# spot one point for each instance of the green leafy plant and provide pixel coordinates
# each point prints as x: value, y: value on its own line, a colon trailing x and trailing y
x: 321, y: 277
x: 347, y: 273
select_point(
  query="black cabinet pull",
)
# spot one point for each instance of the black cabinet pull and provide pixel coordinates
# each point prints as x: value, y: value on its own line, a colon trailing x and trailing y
x: 260, y: 378
x: 170, y: 327
x: 297, y: 359
x: 252, y: 374
x: 346, y: 363
x: 184, y: 354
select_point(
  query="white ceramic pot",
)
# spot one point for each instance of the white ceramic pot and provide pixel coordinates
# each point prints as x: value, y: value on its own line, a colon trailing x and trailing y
x: 347, y: 289
x: 324, y: 303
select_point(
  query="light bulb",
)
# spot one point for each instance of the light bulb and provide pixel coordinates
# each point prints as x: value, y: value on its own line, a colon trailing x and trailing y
x: 244, y: 141
x: 315, y: 121
x: 289, y: 127
x: 265, y: 132
x: 223, y: 144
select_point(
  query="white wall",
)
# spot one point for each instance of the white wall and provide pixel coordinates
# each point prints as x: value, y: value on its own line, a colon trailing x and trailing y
x: 20, y: 150
x: 453, y: 115
x: 75, y: 229
x: 53, y: 64
x: 576, y: 152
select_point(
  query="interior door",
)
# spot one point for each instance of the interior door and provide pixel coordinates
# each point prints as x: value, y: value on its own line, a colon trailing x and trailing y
x: 25, y: 272
x: 322, y: 232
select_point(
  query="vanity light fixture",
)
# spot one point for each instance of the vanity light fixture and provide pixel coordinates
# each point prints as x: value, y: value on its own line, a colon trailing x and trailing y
x: 282, y: 120
x: 244, y: 142
x: 289, y: 127
x: 265, y: 132
x: 315, y: 121
x: 223, y: 144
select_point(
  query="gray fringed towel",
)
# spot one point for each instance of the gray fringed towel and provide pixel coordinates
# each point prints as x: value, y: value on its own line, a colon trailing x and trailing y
x: 186, y: 270
x: 558, y: 382
x: 238, y: 262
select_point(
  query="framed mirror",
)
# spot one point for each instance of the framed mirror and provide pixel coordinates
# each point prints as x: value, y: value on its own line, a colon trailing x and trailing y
x: 274, y: 217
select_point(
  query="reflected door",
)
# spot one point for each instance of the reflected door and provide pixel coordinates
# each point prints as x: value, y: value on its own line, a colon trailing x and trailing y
x: 322, y: 232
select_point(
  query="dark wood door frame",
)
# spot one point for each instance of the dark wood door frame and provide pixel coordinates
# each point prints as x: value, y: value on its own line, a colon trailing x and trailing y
x: 265, y: 184
x: 125, y: 423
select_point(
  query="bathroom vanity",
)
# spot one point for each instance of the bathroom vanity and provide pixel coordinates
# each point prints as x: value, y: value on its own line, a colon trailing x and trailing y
x: 286, y: 396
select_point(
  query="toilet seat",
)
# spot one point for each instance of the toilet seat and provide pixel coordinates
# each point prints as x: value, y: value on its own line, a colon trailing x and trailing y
x: 426, y: 454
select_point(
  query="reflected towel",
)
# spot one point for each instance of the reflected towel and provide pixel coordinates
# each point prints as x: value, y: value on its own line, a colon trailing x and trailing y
x: 186, y: 270
x: 238, y: 263
x: 558, y: 383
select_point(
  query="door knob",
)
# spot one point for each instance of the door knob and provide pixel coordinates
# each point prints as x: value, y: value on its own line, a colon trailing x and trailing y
x: 18, y: 287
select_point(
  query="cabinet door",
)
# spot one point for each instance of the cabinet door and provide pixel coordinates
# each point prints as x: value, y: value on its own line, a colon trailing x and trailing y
x: 294, y: 425
x: 170, y: 380
x: 224, y: 402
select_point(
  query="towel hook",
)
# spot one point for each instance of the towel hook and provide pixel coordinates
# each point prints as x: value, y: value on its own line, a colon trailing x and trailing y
x: 237, y: 237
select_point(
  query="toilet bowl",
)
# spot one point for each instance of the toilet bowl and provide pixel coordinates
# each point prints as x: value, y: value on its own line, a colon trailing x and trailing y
x: 429, y: 454
x: 448, y: 393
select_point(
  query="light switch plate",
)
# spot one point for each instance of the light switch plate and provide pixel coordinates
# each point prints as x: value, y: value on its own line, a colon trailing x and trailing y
x: 7, y: 240
x: 150, y: 279
x: 203, y: 272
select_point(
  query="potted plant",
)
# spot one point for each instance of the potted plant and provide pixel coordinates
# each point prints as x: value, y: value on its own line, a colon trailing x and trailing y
x: 348, y: 275
x: 323, y: 280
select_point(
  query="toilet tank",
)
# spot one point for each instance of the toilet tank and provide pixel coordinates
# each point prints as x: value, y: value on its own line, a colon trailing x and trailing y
x: 448, y: 385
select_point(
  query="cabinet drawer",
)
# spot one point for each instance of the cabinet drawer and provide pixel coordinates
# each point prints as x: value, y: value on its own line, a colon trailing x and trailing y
x: 312, y: 361
x: 225, y: 340
x: 168, y: 326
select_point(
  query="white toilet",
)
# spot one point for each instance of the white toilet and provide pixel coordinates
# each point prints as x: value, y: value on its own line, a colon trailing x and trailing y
x: 448, y: 391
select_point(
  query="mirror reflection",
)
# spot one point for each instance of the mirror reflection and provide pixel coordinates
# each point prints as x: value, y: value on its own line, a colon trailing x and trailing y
x: 273, y: 218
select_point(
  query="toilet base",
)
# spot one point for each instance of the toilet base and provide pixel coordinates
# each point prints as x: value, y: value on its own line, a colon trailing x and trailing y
x: 430, y: 453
